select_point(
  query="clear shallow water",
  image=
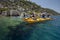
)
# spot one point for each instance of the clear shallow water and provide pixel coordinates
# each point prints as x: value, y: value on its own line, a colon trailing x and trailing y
x: 49, y: 30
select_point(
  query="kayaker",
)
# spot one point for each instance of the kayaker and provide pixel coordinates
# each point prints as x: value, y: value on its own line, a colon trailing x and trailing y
x: 24, y: 15
x: 43, y: 15
x: 33, y: 16
x: 48, y: 15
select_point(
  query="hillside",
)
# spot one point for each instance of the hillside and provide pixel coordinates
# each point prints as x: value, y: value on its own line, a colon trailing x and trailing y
x: 27, y: 5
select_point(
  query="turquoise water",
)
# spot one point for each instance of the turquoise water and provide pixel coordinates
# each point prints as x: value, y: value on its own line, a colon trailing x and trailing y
x: 48, y: 30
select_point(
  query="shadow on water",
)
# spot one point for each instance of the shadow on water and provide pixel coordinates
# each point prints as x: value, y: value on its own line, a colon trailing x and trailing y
x: 20, y: 32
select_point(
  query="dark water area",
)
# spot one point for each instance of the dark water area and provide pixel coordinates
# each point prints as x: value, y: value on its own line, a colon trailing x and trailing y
x: 20, y: 32
x: 49, y: 30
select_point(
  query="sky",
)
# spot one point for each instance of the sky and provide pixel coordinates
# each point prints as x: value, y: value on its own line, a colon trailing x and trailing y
x: 51, y: 4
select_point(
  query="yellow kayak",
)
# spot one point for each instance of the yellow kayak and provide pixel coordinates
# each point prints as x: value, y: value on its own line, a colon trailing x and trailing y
x: 30, y: 20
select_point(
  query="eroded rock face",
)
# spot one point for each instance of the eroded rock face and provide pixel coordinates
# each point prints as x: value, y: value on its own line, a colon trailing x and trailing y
x: 13, y: 13
x: 1, y: 6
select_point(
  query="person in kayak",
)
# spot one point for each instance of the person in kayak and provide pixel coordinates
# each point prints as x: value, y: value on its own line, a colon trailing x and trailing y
x: 48, y: 15
x: 24, y: 15
x: 33, y: 16
x: 43, y: 15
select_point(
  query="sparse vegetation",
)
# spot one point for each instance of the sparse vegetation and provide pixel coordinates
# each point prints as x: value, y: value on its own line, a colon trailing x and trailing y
x: 28, y: 6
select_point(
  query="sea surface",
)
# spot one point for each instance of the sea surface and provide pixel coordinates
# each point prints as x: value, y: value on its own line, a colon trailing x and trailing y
x: 48, y: 30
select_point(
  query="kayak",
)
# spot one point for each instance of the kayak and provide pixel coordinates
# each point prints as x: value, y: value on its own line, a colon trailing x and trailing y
x: 31, y: 20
